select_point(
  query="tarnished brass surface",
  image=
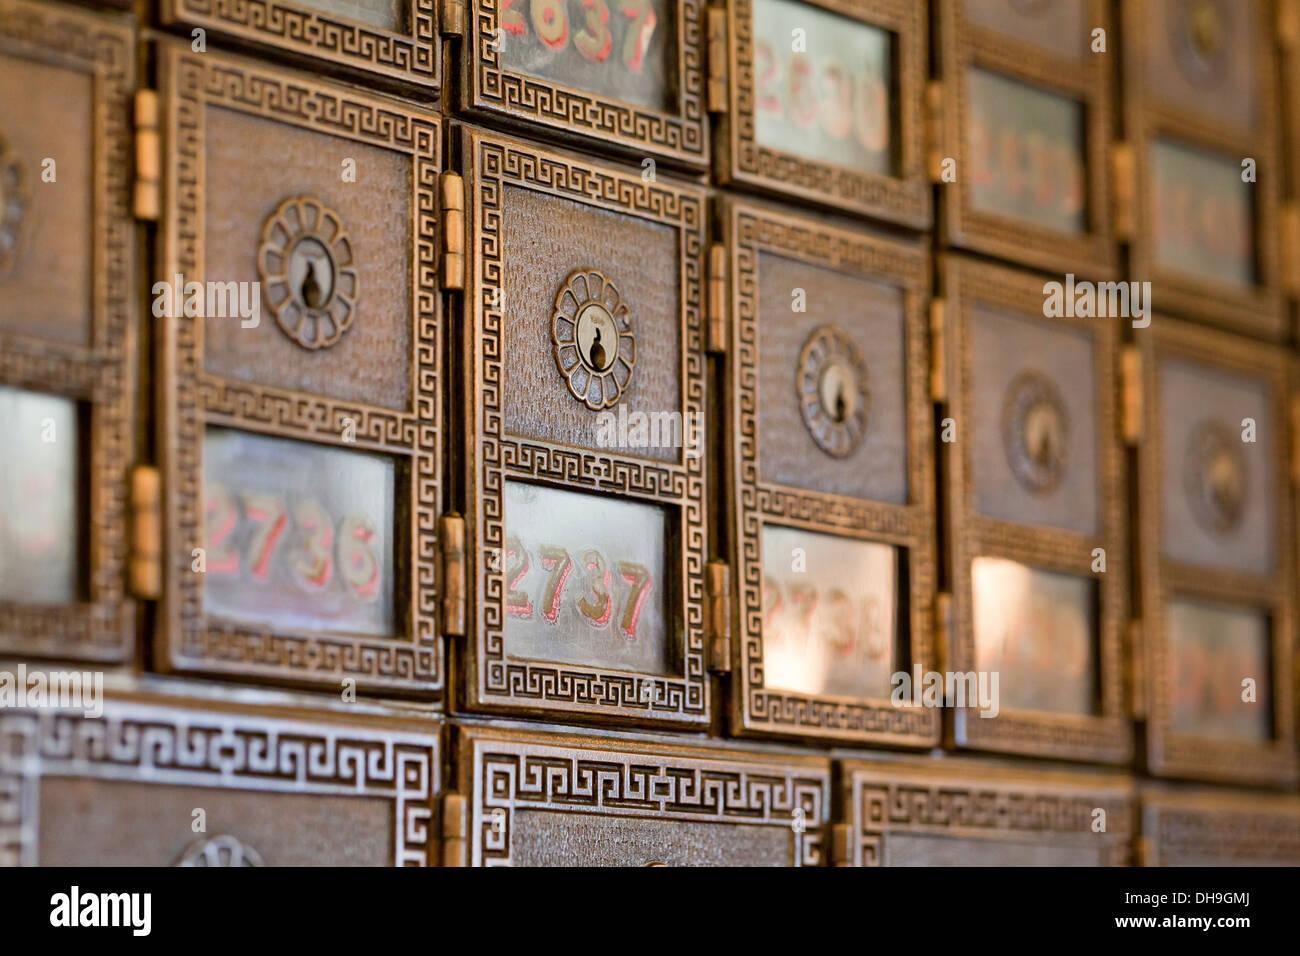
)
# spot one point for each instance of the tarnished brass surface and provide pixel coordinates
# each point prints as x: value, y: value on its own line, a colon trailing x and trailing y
x: 961, y: 815
x: 649, y: 432
x: 68, y: 331
x: 554, y: 239
x: 1200, y: 96
x: 626, y: 74
x: 159, y: 782
x: 1216, y: 574
x: 860, y: 149
x: 564, y: 800
x: 1194, y: 828
x: 1025, y: 131
x: 1038, y: 535
x: 304, y: 553
x: 393, y: 41
x: 831, y: 522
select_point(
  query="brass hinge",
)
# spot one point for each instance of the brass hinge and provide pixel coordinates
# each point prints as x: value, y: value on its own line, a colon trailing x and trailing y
x: 938, y: 352
x: 1295, y: 440
x: 718, y: 325
x: 451, y: 535
x: 1137, y: 689
x: 455, y: 830
x: 147, y: 199
x: 453, y: 18
x: 1288, y: 24
x: 453, y: 231
x: 942, y: 625
x: 1123, y: 170
x: 1130, y: 372
x: 934, y: 131
x: 717, y: 81
x: 1289, y: 226
x: 718, y: 616
x: 144, y: 566
x: 841, y: 844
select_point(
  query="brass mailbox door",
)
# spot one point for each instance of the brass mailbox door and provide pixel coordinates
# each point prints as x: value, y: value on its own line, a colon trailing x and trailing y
x: 620, y: 74
x: 1025, y: 132
x: 918, y: 814
x: 1201, y: 118
x: 1038, y: 542
x: 1216, y: 571
x: 67, y: 332
x: 159, y: 782
x: 821, y: 100
x: 831, y: 512
x: 561, y: 800
x: 299, y: 428
x: 584, y: 407
x: 392, y: 40
x: 1219, y: 829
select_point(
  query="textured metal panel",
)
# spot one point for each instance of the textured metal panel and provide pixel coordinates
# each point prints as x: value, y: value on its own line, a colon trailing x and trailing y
x: 68, y: 322
x: 346, y: 353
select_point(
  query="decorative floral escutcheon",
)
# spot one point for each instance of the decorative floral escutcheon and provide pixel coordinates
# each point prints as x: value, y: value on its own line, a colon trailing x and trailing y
x: 1034, y: 431
x: 1198, y: 35
x: 594, y: 346
x: 1215, y: 477
x: 220, y: 850
x: 832, y: 387
x: 307, y: 272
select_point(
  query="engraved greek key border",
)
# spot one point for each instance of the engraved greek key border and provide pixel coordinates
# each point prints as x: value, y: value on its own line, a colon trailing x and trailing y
x: 1170, y: 753
x: 197, y: 399
x: 905, y: 526
x: 904, y: 197
x: 413, y: 55
x: 1259, y: 310
x: 102, y: 375
x: 1107, y: 736
x: 956, y: 809
x: 1228, y: 836
x: 516, y: 776
x: 497, y: 164
x: 681, y: 135
x: 175, y: 746
x: 964, y: 45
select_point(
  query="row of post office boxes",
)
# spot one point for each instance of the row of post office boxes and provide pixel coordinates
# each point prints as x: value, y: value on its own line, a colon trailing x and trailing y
x: 152, y: 781
x: 440, y: 413
x: 837, y: 103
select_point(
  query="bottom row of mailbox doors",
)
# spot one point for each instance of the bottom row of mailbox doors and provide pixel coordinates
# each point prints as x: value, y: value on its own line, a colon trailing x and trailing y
x: 154, y: 781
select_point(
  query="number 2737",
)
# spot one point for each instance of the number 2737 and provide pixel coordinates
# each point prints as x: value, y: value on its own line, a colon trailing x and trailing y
x: 590, y: 591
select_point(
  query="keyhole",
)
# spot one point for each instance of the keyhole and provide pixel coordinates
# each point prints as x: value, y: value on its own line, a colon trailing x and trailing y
x: 1205, y: 28
x: 835, y: 392
x: 310, y: 291
x: 1044, y: 450
x: 1042, y: 437
x: 1225, y: 483
x: 597, y: 351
